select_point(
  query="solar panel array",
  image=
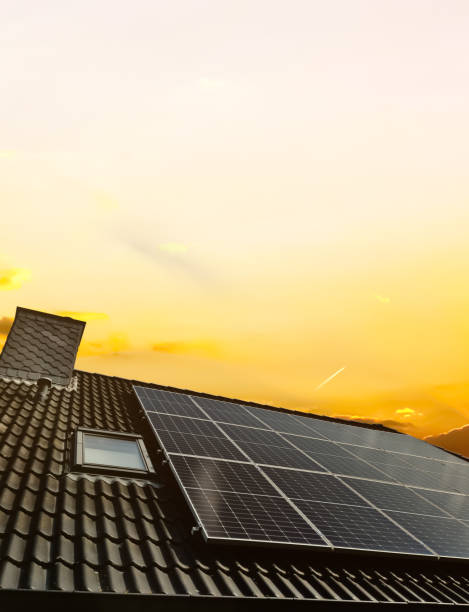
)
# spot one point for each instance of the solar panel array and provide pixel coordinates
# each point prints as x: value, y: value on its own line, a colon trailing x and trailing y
x: 254, y: 475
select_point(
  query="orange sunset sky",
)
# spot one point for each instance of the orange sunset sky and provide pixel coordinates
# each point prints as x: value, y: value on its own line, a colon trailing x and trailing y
x: 245, y: 198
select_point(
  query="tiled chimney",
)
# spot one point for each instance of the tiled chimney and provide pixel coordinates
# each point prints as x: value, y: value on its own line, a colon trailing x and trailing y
x: 41, y: 345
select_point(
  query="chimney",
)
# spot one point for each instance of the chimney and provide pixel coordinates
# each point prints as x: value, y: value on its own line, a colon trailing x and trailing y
x: 41, y: 345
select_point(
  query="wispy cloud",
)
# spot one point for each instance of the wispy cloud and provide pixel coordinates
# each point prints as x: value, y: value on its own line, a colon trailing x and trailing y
x: 113, y: 344
x: 207, y: 348
x: 83, y: 316
x: 5, y: 325
x: 13, y: 278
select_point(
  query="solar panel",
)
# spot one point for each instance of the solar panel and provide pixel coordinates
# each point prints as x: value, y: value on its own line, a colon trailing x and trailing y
x: 221, y: 475
x: 314, y: 445
x: 204, y: 446
x: 412, y: 477
x: 263, y: 476
x: 359, y: 528
x: 349, y: 466
x: 446, y: 536
x: 285, y: 423
x: 184, y: 425
x: 227, y: 412
x: 279, y: 455
x: 251, y: 518
x: 376, y: 456
x: 168, y: 402
x: 310, y: 486
x: 456, y: 504
x: 256, y: 436
x: 393, y: 497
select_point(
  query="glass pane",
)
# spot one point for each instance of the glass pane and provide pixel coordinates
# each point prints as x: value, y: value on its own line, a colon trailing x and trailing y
x: 112, y: 451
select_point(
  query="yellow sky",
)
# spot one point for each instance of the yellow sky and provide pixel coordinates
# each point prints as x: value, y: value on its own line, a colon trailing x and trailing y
x: 248, y: 196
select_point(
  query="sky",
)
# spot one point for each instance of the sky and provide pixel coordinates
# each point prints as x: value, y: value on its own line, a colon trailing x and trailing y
x: 263, y: 200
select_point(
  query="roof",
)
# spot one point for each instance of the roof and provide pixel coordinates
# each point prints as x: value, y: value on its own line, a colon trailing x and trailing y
x: 89, y: 533
x: 127, y: 543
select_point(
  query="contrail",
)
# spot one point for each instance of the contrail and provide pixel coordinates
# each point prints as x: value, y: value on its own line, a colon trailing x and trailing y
x: 329, y: 378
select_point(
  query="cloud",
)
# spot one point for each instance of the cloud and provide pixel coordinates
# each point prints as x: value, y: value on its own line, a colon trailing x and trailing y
x: 207, y: 348
x: 5, y: 325
x: 83, y: 316
x: 455, y: 440
x: 174, y: 248
x: 169, y: 255
x: 382, y: 298
x: 112, y: 345
x: 391, y: 423
x: 13, y: 278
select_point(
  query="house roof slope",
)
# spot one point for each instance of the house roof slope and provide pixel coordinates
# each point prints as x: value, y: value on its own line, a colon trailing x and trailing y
x: 74, y: 533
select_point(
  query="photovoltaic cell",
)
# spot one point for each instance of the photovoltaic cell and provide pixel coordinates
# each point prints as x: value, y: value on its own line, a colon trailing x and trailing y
x: 221, y: 475
x: 251, y: 518
x: 348, y: 467
x: 314, y: 445
x: 285, y: 423
x: 315, y: 487
x: 409, y: 476
x: 227, y: 412
x: 256, y: 436
x: 338, y: 432
x: 188, y: 444
x: 359, y: 528
x: 447, y: 537
x: 377, y: 456
x: 168, y: 402
x: 457, y: 505
x: 393, y: 497
x: 279, y: 455
x: 184, y: 425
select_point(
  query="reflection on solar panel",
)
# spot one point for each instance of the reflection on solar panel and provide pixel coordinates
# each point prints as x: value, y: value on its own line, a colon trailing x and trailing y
x: 263, y: 476
x: 168, y: 402
x: 393, y: 497
x: 252, y: 518
x: 227, y: 412
x: 316, y: 487
x: 256, y: 436
x: 284, y: 423
x: 279, y: 455
x: 447, y: 537
x: 221, y: 475
x: 360, y: 528
x: 318, y: 446
x: 457, y: 505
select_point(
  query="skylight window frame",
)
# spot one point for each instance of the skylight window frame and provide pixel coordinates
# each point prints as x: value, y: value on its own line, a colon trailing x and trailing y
x: 78, y: 451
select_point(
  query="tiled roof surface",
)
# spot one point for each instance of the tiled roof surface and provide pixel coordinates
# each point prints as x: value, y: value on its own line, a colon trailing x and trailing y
x: 41, y: 345
x: 75, y: 532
